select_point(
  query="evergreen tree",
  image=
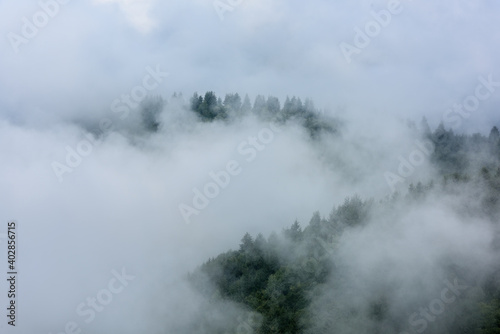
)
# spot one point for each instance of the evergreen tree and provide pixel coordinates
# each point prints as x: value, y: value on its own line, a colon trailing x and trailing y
x: 494, y: 135
x: 273, y: 106
x: 448, y: 152
x: 259, y: 106
x: 209, y: 107
x: 260, y: 242
x: 294, y: 233
x: 151, y: 107
x: 196, y: 102
x: 297, y: 106
x: 309, y: 106
x: 299, y: 283
x: 352, y: 213
x: 494, y: 141
x: 246, y: 107
x: 232, y: 103
x: 246, y: 243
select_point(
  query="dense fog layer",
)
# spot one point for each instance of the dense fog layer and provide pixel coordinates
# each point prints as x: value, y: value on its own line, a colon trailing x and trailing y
x: 114, y: 210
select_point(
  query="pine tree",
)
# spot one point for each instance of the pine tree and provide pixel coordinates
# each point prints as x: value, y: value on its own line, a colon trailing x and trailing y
x: 273, y: 106
x: 259, y: 106
x: 309, y: 106
x: 494, y: 136
x: 246, y: 107
x: 196, y: 102
x: 246, y: 243
x: 294, y: 233
x: 232, y: 103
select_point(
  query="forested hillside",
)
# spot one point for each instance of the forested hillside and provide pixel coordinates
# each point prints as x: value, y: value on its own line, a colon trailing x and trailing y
x: 211, y: 108
x: 301, y: 281
x: 250, y: 167
x: 426, y: 259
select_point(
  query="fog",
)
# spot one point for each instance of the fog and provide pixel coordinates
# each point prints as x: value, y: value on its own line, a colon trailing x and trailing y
x: 112, y: 216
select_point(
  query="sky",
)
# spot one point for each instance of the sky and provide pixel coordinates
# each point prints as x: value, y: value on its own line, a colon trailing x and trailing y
x: 119, y: 207
x: 426, y: 58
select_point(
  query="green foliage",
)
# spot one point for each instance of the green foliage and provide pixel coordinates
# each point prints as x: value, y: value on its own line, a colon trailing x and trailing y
x: 352, y: 213
x: 246, y: 107
x: 449, y: 152
x: 279, y: 278
x: 261, y: 277
x: 232, y: 103
x: 294, y: 233
x: 490, y: 321
x: 210, y: 108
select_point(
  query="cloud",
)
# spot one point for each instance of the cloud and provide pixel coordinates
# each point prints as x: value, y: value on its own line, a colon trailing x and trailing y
x: 137, y: 12
x: 119, y: 208
x: 92, y: 51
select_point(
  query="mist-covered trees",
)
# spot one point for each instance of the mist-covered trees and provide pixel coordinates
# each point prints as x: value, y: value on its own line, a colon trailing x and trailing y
x: 454, y: 154
x: 211, y: 108
x: 297, y: 283
x: 246, y: 107
x: 449, y: 149
x: 353, y: 212
x: 494, y: 142
x: 294, y: 233
x: 208, y: 107
x: 151, y: 107
x: 275, y: 277
x: 284, y: 279
x: 232, y: 103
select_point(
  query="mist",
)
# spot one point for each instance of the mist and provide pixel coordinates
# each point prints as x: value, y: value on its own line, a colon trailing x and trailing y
x: 120, y: 191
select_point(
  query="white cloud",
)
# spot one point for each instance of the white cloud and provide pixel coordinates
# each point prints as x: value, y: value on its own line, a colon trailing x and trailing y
x: 137, y: 12
x: 92, y: 52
